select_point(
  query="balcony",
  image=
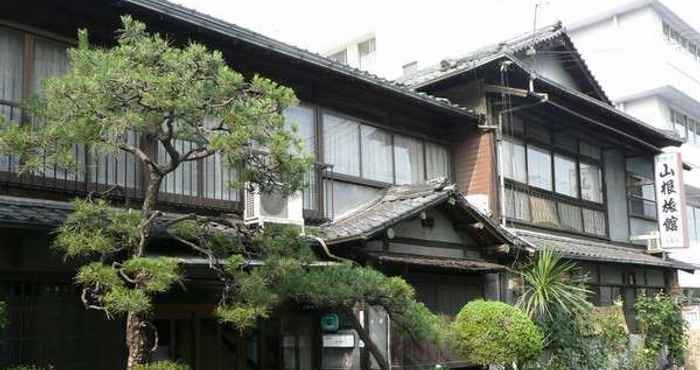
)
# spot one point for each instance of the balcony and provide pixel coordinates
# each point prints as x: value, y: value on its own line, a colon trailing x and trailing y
x: 195, y: 185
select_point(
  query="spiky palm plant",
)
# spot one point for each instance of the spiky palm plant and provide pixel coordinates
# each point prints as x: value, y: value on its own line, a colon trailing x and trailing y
x: 552, y: 284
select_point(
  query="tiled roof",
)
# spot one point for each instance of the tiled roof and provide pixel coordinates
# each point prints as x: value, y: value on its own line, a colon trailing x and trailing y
x: 23, y: 211
x: 592, y: 250
x: 475, y: 58
x: 445, y: 263
x: 510, y: 47
x: 399, y: 203
x: 234, y: 31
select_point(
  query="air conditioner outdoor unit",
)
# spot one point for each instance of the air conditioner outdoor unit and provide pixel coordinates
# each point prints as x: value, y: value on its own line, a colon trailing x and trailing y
x: 653, y: 242
x: 261, y: 208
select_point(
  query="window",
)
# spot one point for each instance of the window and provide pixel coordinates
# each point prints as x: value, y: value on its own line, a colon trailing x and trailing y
x: 341, y: 144
x: 693, y: 224
x: 566, y: 178
x: 686, y: 45
x: 359, y: 150
x: 514, y: 166
x: 340, y: 57
x: 557, y: 185
x: 367, y: 53
x: 640, y: 188
x: 303, y: 117
x: 591, y: 183
x: 539, y: 165
x: 408, y: 155
x: 437, y: 160
x: 679, y: 124
x: 376, y: 154
x: 11, y: 72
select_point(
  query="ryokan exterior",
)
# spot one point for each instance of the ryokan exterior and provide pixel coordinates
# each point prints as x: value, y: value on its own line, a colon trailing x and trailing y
x: 382, y: 192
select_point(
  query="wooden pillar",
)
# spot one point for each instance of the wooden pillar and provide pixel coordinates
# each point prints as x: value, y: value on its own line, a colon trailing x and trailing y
x: 673, y: 287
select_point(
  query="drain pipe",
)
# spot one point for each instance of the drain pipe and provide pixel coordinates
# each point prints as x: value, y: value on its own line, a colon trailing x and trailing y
x: 543, y: 98
x: 326, y: 250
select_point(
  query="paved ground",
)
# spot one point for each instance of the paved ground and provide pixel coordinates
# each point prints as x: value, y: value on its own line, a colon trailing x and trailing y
x: 693, y: 362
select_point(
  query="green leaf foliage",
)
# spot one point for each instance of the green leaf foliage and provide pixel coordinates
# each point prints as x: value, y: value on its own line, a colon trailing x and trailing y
x: 154, y: 275
x: 23, y: 367
x: 490, y: 332
x: 552, y: 284
x: 661, y: 320
x: 162, y: 365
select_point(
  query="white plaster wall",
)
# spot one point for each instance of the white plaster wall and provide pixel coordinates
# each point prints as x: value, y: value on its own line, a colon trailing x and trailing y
x: 550, y: 66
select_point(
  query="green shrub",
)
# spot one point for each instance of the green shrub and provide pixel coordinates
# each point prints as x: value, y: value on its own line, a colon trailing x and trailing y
x: 489, y: 332
x: 23, y: 367
x: 661, y: 320
x: 3, y: 314
x: 162, y: 365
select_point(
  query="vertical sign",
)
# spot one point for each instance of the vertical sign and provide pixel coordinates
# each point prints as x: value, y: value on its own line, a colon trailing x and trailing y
x: 670, y: 201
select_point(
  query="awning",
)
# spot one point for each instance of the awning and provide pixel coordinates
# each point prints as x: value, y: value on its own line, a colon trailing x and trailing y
x: 600, y: 251
x: 443, y: 263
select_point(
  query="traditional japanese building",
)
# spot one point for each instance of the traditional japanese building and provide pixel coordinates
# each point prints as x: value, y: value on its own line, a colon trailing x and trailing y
x: 382, y: 191
x: 556, y: 163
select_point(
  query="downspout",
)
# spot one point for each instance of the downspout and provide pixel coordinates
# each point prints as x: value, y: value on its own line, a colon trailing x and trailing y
x: 328, y: 251
x: 543, y: 98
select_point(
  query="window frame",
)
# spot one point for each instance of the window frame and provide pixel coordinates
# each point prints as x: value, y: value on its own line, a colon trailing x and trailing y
x: 524, y: 138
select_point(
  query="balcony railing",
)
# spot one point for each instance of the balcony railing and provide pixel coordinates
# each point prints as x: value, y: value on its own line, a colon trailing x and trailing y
x: 202, y: 184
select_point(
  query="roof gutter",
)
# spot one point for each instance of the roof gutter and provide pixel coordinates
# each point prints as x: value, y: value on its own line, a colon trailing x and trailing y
x: 240, y: 33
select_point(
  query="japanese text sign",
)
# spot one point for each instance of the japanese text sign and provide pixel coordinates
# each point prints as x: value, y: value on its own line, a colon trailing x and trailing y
x: 670, y: 201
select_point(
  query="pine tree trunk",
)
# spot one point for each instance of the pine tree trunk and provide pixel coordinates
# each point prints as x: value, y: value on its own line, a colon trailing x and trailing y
x: 137, y: 323
x: 369, y: 343
x: 137, y: 339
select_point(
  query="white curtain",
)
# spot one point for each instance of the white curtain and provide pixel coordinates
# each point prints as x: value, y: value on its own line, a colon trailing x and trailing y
x: 183, y: 180
x: 437, y: 159
x: 303, y: 117
x: 565, y: 177
x: 120, y: 168
x: 591, y: 183
x: 11, y: 74
x: 376, y: 154
x: 539, y: 166
x: 408, y: 154
x: 514, y: 166
x: 341, y: 144
x: 218, y: 177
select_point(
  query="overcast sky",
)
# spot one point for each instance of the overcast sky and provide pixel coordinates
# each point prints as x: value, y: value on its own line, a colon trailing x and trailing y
x: 426, y: 31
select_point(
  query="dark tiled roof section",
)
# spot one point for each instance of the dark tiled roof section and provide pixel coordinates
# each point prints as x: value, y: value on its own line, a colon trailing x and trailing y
x: 34, y: 212
x: 443, y: 263
x: 515, y: 45
x: 592, y: 250
x: 399, y: 203
x: 235, y: 31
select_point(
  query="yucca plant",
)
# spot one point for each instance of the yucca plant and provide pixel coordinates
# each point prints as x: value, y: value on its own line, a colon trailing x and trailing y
x: 552, y: 284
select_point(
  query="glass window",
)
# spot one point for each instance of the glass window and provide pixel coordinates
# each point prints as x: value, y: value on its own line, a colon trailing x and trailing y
x: 408, y: 154
x: 544, y: 211
x: 303, y: 117
x: 565, y: 176
x: 376, y: 154
x: 437, y: 160
x: 218, y: 178
x: 183, y: 180
x: 593, y: 222
x: 341, y: 144
x: 367, y: 53
x: 692, y: 224
x: 50, y: 60
x: 514, y: 161
x: 640, y: 187
x: 570, y: 217
x: 517, y: 205
x: 11, y: 72
x: 345, y: 197
x: 679, y: 124
x: 340, y: 57
x: 591, y: 183
x: 539, y: 167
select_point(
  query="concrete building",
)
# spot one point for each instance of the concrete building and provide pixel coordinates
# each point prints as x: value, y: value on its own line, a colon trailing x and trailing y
x: 647, y: 58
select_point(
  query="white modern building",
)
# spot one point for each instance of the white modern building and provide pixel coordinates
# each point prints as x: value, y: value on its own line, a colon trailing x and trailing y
x: 647, y: 58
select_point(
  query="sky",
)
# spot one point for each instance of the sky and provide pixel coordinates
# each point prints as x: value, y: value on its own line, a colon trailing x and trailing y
x: 410, y: 30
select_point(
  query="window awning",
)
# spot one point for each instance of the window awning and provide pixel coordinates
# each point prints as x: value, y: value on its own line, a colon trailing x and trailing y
x: 600, y: 251
x: 442, y: 263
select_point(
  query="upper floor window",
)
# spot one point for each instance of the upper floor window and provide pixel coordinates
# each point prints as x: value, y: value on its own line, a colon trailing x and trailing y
x: 687, y: 127
x: 360, y: 150
x: 553, y: 180
x: 694, y: 224
x: 340, y: 57
x: 366, y: 51
x: 641, y: 196
x: 678, y: 38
